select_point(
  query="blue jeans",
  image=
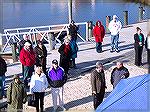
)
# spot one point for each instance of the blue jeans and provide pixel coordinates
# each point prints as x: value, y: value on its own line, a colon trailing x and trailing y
x: 114, y: 41
x: 98, y: 47
x: 2, y: 78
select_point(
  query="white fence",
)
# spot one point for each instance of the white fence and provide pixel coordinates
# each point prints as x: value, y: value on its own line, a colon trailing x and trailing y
x: 14, y: 35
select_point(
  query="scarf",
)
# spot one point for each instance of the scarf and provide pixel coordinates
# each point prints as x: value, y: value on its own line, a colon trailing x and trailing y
x: 66, y: 49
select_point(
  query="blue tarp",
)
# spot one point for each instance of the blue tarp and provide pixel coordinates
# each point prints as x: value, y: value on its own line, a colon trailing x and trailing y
x: 130, y: 95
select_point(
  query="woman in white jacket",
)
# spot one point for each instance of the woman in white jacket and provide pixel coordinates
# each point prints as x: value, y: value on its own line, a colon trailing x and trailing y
x: 38, y: 86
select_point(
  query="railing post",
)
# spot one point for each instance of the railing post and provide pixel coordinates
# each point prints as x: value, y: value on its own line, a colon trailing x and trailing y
x: 1, y: 42
x: 140, y: 14
x: 14, y: 52
x: 125, y: 13
x: 90, y: 27
x: 107, y: 23
x: 87, y: 35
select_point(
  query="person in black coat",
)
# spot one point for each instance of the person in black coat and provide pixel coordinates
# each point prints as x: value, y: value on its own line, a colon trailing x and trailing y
x: 138, y: 46
x: 3, y: 69
x: 41, y: 54
x: 73, y: 30
x: 118, y: 73
x: 65, y: 55
x: 98, y: 84
x: 147, y: 46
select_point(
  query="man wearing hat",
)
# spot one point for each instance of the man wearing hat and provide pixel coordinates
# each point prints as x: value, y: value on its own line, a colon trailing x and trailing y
x: 114, y: 28
x: 98, y: 84
x: 27, y: 58
x: 57, y: 79
x: 16, y: 95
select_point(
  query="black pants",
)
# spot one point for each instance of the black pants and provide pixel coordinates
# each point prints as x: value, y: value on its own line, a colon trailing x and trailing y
x: 39, y: 96
x: 138, y: 55
x: 148, y: 60
x: 98, y: 98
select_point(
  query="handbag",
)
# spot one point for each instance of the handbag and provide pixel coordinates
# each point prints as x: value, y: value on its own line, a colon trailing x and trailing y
x: 31, y: 100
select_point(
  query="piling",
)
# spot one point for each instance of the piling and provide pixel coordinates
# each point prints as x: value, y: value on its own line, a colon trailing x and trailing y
x: 125, y: 13
x: 90, y: 28
x: 140, y: 14
x: 14, y: 51
x: 107, y: 23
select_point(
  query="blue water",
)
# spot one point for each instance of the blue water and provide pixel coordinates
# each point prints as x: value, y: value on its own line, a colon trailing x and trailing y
x: 18, y: 14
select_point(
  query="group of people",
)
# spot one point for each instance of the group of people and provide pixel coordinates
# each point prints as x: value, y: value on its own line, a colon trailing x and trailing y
x: 98, y: 80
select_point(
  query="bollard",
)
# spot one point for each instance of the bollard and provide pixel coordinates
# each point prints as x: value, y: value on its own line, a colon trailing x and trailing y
x: 125, y: 18
x: 140, y: 14
x: 107, y: 23
x: 90, y: 28
x: 14, y: 52
x: 51, y: 39
x: 87, y: 35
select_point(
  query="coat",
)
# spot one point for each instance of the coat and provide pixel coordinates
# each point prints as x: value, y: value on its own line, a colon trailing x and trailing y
x: 38, y: 83
x: 16, y: 96
x: 99, y: 32
x: 41, y: 55
x: 27, y: 58
x: 98, y: 82
x: 118, y: 74
x: 3, y: 67
x: 137, y: 40
x: 73, y: 30
x: 74, y: 49
x: 64, y: 59
x: 147, y: 46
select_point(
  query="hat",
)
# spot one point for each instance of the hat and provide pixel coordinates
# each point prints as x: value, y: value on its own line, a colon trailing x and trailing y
x: 16, y: 76
x: 27, y: 44
x: 54, y: 61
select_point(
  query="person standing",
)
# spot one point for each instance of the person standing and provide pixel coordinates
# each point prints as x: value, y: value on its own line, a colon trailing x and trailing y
x: 27, y: 58
x: 147, y: 46
x: 41, y: 54
x: 3, y: 70
x: 57, y: 78
x: 99, y: 33
x: 73, y: 30
x: 38, y: 86
x: 65, y: 55
x: 114, y: 28
x: 16, y: 95
x: 98, y: 84
x: 118, y: 73
x: 138, y: 46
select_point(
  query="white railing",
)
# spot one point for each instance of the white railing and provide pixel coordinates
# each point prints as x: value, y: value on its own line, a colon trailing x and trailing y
x: 13, y: 35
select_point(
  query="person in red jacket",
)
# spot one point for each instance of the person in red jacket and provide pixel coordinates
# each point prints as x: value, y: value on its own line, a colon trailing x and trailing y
x: 27, y: 58
x: 99, y: 33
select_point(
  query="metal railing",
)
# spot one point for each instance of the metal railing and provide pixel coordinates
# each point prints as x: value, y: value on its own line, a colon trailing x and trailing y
x: 14, y: 35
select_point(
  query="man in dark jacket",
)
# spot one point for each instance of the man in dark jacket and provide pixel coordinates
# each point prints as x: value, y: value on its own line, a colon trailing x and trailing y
x: 57, y: 79
x: 98, y: 84
x: 73, y: 30
x: 3, y: 69
x: 118, y: 73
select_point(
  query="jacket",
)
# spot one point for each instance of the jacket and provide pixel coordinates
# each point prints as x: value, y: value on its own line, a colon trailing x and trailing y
x: 98, y: 82
x: 147, y: 43
x: 27, y: 58
x: 74, y: 49
x: 137, y: 40
x: 57, y: 77
x: 99, y: 32
x: 16, y: 96
x: 41, y: 55
x: 114, y: 27
x: 38, y: 83
x: 118, y: 74
x: 3, y: 67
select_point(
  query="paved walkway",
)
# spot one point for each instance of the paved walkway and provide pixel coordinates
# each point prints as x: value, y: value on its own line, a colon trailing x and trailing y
x: 77, y: 91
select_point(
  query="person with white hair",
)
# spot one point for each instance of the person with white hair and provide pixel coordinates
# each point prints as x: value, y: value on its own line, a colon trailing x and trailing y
x: 98, y: 84
x: 114, y: 28
x: 27, y: 58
